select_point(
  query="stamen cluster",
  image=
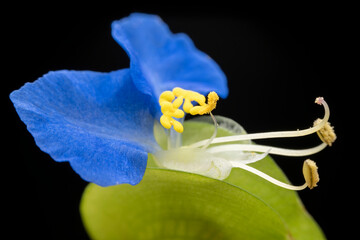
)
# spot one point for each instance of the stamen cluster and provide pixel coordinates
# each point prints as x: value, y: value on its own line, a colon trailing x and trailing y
x: 216, y: 161
x: 171, y: 101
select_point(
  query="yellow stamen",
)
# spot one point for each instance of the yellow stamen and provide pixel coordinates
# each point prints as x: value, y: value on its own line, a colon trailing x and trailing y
x: 166, y: 96
x: 206, y: 108
x: 170, y: 110
x: 171, y: 101
x: 189, y: 96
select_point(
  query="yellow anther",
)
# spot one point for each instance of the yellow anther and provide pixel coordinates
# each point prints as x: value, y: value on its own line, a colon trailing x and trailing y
x: 166, y: 107
x: 212, y: 99
x: 178, y: 113
x: 206, y: 108
x: 166, y: 96
x: 170, y: 110
x: 187, y: 105
x: 170, y: 103
x: 197, y: 97
x: 168, y: 121
x: 178, y: 102
x: 178, y: 126
x: 189, y: 96
x: 165, y: 121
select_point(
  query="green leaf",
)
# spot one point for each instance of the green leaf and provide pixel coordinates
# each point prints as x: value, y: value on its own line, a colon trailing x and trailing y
x: 176, y: 205
x: 286, y: 202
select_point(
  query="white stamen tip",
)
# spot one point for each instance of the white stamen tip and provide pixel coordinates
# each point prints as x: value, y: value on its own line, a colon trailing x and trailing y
x: 319, y: 100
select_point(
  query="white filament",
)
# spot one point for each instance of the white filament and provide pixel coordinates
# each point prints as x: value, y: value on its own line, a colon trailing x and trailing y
x: 266, y: 135
x: 267, y: 177
x: 268, y: 149
x: 174, y: 138
x: 209, y: 141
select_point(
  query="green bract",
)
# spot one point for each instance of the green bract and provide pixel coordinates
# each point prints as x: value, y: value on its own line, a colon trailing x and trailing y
x: 171, y: 204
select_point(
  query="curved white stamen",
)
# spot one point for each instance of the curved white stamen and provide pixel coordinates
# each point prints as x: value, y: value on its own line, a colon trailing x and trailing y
x: 259, y: 157
x: 269, y: 149
x: 254, y: 157
x: 267, y: 177
x: 279, y: 134
x: 209, y: 141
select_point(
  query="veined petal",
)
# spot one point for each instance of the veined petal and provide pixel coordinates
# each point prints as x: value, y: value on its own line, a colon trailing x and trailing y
x: 99, y: 122
x: 161, y: 60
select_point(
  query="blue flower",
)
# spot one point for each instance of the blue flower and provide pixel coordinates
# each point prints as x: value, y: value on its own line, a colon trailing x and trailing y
x: 102, y: 123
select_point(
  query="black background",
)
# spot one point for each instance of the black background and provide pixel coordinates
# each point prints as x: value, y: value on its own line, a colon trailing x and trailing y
x: 277, y: 60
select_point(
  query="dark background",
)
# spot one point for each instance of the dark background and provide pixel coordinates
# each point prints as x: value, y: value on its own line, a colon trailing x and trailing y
x: 277, y: 60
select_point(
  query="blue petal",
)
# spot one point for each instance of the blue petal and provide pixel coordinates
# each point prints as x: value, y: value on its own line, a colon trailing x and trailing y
x: 99, y: 122
x: 160, y: 60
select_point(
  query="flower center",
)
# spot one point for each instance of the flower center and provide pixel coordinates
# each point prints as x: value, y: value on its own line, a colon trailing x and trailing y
x: 171, y: 101
x: 204, y: 158
x: 173, y: 116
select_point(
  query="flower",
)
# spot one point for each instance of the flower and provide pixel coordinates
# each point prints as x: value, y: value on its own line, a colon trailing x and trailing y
x: 102, y: 123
